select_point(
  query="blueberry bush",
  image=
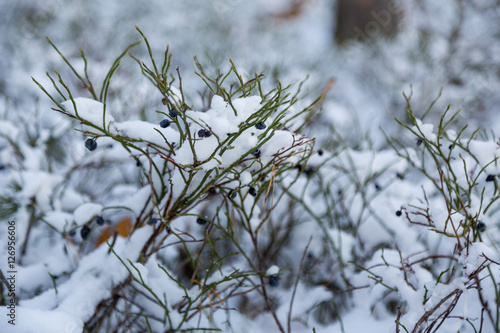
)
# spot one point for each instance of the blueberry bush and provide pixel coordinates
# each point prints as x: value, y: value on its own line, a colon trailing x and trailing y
x: 228, y: 168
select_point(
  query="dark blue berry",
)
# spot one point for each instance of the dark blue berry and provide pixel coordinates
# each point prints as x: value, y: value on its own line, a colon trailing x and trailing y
x: 165, y: 123
x: 481, y: 226
x: 204, y: 133
x: 399, y: 213
x: 99, y: 220
x: 84, y: 232
x: 256, y: 153
x: 260, y: 126
x: 490, y: 178
x: 419, y: 142
x: 91, y: 144
x: 252, y: 191
x: 153, y: 221
x: 320, y: 152
x: 201, y: 221
x: 172, y: 113
x: 232, y: 194
x: 212, y: 192
x: 168, y: 230
x: 377, y: 186
x: 274, y: 281
x: 309, y: 171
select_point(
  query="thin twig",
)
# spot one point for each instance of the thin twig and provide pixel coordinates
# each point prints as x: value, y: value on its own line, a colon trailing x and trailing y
x: 297, y: 279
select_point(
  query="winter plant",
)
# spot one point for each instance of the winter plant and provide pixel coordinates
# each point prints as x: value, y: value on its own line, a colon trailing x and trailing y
x: 458, y: 204
x: 204, y: 216
x: 223, y: 217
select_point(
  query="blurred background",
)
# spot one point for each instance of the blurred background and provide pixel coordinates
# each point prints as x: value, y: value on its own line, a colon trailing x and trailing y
x: 363, y: 53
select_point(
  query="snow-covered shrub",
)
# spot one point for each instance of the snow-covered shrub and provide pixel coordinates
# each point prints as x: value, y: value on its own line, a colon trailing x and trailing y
x: 455, y: 214
x: 167, y: 225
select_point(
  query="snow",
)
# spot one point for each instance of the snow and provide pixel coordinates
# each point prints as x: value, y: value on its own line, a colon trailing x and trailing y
x: 245, y: 178
x: 70, y: 200
x: 485, y: 152
x: 8, y: 130
x: 84, y: 213
x: 25, y: 282
x: 144, y: 131
x: 206, y: 147
x: 139, y: 272
x: 273, y: 270
x: 61, y: 220
x: 137, y: 200
x: 338, y: 114
x: 478, y: 254
x: 427, y: 130
x: 88, y: 109
x: 38, y: 185
x: 44, y: 321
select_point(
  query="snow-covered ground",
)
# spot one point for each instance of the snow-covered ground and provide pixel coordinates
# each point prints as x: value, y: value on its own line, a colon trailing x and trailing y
x: 370, y: 225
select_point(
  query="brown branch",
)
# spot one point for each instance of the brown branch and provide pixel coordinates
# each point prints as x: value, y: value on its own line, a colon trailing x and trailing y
x: 428, y: 314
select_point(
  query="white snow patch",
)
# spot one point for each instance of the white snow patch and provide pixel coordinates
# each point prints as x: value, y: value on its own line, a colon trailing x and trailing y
x: 86, y: 212
x: 426, y: 129
x: 477, y: 254
x: 273, y: 270
x: 45, y: 321
x: 88, y: 109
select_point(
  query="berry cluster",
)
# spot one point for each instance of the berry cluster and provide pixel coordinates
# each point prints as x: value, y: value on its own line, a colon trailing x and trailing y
x: 203, y: 133
x: 85, y: 230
